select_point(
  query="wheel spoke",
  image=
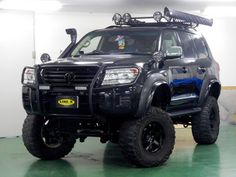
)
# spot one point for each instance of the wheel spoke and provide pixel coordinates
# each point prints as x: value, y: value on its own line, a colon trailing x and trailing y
x: 156, y: 142
x: 149, y: 146
x: 152, y: 137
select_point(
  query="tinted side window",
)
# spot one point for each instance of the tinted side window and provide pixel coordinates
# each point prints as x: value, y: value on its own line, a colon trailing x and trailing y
x: 187, y: 44
x: 200, y: 47
x: 169, y: 39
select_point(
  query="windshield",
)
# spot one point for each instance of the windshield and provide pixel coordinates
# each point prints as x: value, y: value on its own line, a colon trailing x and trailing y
x: 117, y: 42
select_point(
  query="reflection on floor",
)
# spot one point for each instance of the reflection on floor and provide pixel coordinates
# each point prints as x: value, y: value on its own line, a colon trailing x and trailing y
x: 92, y: 159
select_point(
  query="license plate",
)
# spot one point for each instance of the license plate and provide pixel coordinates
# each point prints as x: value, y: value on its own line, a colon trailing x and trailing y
x: 67, y: 102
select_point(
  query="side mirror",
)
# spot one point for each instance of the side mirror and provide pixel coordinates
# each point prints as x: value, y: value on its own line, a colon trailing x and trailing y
x: 73, y: 34
x: 173, y: 52
x: 45, y: 57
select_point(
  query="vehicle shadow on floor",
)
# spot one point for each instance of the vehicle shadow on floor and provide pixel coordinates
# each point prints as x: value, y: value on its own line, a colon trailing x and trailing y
x: 113, y: 156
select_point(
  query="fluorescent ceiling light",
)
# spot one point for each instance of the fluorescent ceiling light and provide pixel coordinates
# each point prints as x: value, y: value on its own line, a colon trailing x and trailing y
x: 220, y: 11
x: 31, y: 5
x: 199, y: 1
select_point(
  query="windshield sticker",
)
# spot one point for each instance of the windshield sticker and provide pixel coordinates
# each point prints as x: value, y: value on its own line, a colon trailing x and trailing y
x: 121, y: 42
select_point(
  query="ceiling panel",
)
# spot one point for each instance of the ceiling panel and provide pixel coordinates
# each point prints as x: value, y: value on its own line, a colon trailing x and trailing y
x: 140, y: 5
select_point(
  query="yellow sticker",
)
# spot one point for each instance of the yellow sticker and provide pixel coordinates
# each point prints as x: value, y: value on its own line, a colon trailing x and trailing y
x: 66, y: 102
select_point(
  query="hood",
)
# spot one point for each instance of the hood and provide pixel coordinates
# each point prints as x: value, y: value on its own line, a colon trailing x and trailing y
x: 114, y: 60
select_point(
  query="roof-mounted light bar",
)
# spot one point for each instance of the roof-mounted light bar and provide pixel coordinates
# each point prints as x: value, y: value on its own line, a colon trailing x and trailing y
x: 126, y: 19
x: 170, y: 17
x: 185, y: 17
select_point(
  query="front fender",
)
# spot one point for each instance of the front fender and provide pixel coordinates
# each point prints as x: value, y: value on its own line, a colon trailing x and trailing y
x: 149, y: 87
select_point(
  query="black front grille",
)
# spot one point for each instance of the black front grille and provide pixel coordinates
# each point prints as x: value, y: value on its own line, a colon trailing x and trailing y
x: 68, y: 75
x: 63, y: 81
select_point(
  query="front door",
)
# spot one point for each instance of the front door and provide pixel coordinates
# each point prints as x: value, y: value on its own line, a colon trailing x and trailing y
x: 182, y: 72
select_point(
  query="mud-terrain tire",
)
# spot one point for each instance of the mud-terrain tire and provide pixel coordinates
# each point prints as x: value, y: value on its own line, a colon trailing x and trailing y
x: 205, y: 125
x: 149, y: 141
x: 35, y: 144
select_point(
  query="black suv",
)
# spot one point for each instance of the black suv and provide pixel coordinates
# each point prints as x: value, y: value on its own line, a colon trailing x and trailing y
x: 128, y: 84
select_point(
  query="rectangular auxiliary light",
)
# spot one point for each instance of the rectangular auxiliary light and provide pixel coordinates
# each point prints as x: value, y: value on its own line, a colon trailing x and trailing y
x: 44, y: 87
x: 80, y: 87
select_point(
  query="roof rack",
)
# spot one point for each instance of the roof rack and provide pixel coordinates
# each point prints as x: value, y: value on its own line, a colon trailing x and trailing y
x: 170, y: 18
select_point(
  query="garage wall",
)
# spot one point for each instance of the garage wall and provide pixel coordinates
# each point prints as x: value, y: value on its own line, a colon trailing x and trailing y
x: 16, y: 47
x: 221, y: 38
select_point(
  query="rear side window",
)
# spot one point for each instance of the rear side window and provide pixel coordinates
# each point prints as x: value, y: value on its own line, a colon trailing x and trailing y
x: 187, y: 44
x: 200, y: 47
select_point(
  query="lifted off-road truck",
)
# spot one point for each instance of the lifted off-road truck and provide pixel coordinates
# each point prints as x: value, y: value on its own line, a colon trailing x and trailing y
x: 128, y: 84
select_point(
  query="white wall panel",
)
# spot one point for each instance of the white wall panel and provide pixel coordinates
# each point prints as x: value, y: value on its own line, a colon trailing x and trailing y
x: 16, y: 46
x: 222, y: 41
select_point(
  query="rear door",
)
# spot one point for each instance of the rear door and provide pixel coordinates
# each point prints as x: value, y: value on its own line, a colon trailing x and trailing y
x: 203, y: 63
x: 203, y: 60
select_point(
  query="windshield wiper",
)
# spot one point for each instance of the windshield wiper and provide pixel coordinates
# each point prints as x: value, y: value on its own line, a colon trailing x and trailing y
x: 97, y: 52
x: 136, y: 53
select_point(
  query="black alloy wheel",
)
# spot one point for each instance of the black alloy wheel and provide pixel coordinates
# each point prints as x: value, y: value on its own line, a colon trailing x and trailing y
x: 152, y: 137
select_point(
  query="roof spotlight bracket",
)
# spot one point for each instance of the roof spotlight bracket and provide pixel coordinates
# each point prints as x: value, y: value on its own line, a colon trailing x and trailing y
x: 170, y: 17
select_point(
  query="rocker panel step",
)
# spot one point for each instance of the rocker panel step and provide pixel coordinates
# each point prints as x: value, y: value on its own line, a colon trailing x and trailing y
x: 184, y: 112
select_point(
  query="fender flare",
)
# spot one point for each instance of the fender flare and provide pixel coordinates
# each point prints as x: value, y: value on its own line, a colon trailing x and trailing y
x: 151, y: 84
x: 207, y: 89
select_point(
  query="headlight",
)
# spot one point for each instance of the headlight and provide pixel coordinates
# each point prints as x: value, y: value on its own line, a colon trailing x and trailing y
x: 28, y: 76
x: 120, y: 76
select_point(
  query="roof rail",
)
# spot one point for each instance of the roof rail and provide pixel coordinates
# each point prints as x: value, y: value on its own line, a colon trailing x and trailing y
x: 170, y: 17
x: 112, y: 26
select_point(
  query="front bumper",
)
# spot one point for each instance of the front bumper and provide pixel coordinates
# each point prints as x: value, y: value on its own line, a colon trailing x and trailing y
x: 122, y: 100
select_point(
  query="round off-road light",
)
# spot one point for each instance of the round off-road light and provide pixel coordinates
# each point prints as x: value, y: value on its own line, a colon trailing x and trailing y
x: 117, y: 18
x: 127, y: 17
x: 157, y: 16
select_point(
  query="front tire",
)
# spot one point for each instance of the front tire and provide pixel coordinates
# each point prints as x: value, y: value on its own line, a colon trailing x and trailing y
x: 205, y: 125
x: 42, y: 140
x: 148, y: 141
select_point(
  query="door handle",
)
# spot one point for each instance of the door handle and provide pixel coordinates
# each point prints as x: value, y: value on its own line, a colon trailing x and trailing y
x: 202, y: 69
